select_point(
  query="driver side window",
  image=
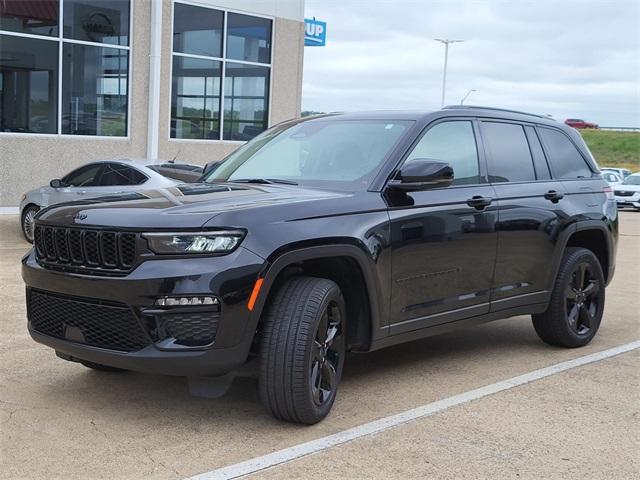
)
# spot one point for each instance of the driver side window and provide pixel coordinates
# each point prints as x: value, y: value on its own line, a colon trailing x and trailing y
x: 452, y: 142
x: 86, y: 176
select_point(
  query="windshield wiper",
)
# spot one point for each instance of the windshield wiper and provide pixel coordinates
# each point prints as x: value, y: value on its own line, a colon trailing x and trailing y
x: 264, y: 181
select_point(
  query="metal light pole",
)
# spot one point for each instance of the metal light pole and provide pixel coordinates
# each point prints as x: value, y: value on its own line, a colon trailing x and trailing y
x: 468, y: 93
x: 446, y: 43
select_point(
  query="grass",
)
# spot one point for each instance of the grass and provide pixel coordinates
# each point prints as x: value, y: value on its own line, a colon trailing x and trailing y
x: 614, y: 149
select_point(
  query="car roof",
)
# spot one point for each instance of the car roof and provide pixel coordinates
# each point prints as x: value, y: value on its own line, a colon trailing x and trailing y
x: 448, y: 111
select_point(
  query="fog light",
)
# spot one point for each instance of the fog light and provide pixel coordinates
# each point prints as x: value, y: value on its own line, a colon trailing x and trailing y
x: 184, y: 301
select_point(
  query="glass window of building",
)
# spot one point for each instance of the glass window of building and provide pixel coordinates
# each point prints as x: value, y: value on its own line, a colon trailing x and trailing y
x: 219, y: 91
x: 245, y: 101
x: 103, y: 21
x: 93, y: 77
x: 248, y: 38
x: 94, y: 90
x: 195, y: 103
x: 28, y: 85
x: 197, y: 30
x: 35, y: 17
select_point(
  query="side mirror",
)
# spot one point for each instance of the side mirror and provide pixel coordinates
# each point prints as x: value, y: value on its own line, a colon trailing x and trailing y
x: 423, y: 174
x: 57, y: 183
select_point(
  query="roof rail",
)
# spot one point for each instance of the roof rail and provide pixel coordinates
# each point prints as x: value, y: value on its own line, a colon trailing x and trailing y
x: 477, y: 107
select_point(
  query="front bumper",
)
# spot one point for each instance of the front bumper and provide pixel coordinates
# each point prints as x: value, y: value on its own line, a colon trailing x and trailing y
x: 628, y: 201
x: 228, y: 278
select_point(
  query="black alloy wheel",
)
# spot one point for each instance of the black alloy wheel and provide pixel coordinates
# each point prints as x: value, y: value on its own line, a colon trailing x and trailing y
x: 583, y: 298
x: 326, y: 355
x: 575, y: 309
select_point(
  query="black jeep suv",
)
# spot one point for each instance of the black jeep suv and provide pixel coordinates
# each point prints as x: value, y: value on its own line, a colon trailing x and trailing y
x: 344, y: 232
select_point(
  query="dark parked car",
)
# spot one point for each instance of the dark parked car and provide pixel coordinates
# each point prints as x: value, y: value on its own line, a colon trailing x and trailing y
x: 345, y: 232
x: 579, y: 123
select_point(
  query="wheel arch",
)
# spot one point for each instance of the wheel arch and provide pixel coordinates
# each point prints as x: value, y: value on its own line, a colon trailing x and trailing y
x: 595, y: 236
x: 349, y: 266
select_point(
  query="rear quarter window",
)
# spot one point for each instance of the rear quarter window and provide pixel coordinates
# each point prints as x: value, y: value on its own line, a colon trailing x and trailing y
x: 565, y: 160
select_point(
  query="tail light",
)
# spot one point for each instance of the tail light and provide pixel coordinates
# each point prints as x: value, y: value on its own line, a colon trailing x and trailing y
x: 608, y: 191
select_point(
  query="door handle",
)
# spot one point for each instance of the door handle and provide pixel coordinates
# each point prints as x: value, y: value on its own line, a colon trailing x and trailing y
x: 479, y: 202
x: 554, y: 196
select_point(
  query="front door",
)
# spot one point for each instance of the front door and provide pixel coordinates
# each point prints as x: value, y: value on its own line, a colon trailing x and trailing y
x: 443, y: 240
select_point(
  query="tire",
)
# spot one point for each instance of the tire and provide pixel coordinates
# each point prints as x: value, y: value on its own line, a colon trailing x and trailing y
x: 101, y: 368
x: 26, y: 221
x: 575, y: 311
x: 302, y: 350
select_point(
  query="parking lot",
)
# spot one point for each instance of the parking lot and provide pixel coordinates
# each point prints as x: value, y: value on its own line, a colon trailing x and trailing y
x: 61, y: 420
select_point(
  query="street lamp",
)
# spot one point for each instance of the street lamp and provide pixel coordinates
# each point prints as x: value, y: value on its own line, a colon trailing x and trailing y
x: 446, y: 43
x: 468, y: 93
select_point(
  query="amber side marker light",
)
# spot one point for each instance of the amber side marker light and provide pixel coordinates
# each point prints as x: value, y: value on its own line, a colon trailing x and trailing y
x: 254, y: 294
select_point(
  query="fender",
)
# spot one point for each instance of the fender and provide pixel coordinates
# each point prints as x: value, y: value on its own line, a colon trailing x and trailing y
x: 565, y: 235
x: 366, y: 264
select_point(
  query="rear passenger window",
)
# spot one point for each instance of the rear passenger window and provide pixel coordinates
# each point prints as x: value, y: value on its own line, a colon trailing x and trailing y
x: 454, y: 143
x: 509, y: 157
x: 564, y: 158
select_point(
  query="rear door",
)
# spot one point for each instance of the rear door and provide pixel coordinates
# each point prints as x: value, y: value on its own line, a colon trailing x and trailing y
x: 530, y: 213
x: 443, y: 241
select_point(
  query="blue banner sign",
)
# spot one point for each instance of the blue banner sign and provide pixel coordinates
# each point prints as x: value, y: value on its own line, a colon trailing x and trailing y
x: 315, y: 32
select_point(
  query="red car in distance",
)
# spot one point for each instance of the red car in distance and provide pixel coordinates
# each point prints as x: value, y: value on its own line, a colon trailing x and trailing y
x: 578, y: 123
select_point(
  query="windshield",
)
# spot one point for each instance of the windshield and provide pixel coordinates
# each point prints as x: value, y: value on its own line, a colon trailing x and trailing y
x: 342, y: 154
x: 632, y: 180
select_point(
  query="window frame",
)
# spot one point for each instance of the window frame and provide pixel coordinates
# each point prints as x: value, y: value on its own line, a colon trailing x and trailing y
x: 61, y: 41
x: 223, y: 60
x: 482, y: 163
x: 97, y: 178
x: 110, y: 163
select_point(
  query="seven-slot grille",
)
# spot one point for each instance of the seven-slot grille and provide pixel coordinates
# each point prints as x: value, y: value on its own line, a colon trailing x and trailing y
x: 85, y: 249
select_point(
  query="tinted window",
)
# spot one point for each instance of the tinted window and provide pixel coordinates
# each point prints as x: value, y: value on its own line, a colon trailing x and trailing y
x: 84, y: 176
x: 195, y: 102
x: 245, y: 101
x: 454, y: 143
x: 564, y: 157
x: 115, y: 174
x: 104, y: 21
x: 30, y: 16
x: 197, y: 30
x: 94, y: 90
x: 509, y: 158
x: 28, y: 85
x: 248, y: 38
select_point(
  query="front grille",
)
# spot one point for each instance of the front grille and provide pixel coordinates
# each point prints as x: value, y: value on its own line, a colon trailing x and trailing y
x: 87, y: 321
x: 93, y: 251
x: 622, y: 193
x: 192, y: 328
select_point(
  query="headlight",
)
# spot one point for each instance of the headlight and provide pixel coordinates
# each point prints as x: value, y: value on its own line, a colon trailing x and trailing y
x: 222, y: 241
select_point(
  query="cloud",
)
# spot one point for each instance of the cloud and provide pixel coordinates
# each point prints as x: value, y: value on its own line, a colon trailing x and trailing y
x: 565, y: 58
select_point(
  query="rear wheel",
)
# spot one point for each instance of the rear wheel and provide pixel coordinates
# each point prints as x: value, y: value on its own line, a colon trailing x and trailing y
x: 302, y: 350
x: 577, y: 301
x: 28, y: 222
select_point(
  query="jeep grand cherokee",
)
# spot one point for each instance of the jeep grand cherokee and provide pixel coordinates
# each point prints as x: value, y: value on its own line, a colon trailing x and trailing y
x: 344, y: 232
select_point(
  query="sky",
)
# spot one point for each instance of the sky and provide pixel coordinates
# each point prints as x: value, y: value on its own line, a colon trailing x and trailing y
x: 569, y: 59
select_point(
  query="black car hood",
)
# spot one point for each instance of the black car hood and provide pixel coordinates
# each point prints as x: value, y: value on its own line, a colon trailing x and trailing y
x: 186, y: 205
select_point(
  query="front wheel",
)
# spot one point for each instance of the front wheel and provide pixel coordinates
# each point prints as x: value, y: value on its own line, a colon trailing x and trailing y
x: 302, y: 350
x: 28, y: 222
x: 577, y: 301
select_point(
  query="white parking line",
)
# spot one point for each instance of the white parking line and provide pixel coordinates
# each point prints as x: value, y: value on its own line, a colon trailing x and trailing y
x: 286, y: 455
